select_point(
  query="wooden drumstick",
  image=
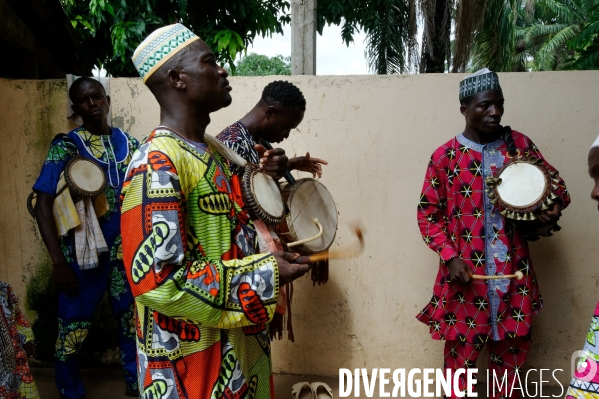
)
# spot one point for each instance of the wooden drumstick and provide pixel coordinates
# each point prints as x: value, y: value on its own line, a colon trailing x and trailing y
x: 337, y: 253
x: 518, y: 276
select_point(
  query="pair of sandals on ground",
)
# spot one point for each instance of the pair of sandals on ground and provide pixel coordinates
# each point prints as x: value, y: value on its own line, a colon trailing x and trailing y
x: 316, y: 390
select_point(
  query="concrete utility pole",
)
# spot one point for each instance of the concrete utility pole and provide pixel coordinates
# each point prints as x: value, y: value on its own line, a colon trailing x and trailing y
x: 303, y: 37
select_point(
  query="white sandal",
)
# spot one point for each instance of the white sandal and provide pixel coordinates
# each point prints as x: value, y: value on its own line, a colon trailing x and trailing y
x: 302, y: 390
x: 320, y: 390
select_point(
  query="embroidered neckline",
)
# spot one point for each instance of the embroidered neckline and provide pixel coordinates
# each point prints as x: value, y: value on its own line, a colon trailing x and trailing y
x: 100, y: 148
x: 92, y: 142
x: 476, y: 146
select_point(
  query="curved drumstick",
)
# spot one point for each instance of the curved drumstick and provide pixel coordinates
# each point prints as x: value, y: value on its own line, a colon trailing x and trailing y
x: 518, y: 276
x: 298, y: 242
x: 337, y: 253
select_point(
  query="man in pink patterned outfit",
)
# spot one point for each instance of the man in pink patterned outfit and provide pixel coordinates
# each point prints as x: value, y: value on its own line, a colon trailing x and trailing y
x: 458, y: 221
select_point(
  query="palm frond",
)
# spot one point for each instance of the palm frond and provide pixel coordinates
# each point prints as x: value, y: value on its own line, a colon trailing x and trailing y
x: 390, y: 36
x: 551, y: 49
x: 436, y: 34
x: 565, y: 10
x: 468, y: 20
x: 541, y: 31
x: 494, y: 43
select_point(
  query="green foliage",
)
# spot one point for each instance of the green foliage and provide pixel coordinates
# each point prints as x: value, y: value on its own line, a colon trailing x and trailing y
x: 344, y: 13
x: 390, y: 27
x: 43, y: 299
x: 261, y: 65
x: 389, y: 36
x: 494, y: 44
x: 537, y: 35
x: 586, y: 43
x: 543, y: 33
x: 110, y: 30
x: 518, y: 35
x: 508, y: 35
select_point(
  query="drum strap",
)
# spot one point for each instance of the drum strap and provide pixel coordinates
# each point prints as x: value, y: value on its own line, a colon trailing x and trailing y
x: 509, y: 141
x: 71, y: 145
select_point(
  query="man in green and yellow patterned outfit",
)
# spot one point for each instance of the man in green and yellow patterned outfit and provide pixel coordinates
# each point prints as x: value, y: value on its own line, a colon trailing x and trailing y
x: 204, y: 298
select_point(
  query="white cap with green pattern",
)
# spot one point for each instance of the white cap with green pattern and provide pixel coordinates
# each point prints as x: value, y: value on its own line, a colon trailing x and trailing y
x: 159, y: 47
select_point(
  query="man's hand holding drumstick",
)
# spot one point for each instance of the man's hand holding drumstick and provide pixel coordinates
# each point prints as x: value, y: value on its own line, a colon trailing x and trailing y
x: 274, y: 162
x: 292, y: 265
x: 460, y: 273
x: 288, y: 270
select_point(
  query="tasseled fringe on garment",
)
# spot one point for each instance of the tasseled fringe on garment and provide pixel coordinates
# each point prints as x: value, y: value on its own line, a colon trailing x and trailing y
x: 320, y: 272
x: 282, y: 318
x: 276, y: 327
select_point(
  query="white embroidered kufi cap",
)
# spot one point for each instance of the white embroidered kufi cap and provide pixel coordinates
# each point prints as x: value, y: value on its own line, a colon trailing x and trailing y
x: 159, y: 47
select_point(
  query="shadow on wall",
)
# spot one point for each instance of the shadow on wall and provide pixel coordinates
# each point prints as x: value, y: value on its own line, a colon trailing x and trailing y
x: 318, y: 329
x: 100, y: 346
x: 550, y: 260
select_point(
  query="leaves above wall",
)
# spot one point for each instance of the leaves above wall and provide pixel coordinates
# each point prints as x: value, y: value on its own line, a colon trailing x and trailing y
x: 110, y: 30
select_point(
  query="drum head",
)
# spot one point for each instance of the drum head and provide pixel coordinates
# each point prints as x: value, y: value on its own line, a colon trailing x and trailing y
x: 85, y: 177
x: 307, y: 200
x: 267, y: 195
x: 522, y: 185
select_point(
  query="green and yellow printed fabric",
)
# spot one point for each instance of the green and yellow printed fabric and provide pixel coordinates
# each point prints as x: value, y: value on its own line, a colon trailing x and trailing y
x: 203, y: 297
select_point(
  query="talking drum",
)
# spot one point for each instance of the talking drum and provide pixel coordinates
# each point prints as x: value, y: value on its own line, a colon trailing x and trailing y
x: 260, y: 191
x: 520, y: 188
x: 84, y: 178
x: 262, y: 196
x: 311, y: 225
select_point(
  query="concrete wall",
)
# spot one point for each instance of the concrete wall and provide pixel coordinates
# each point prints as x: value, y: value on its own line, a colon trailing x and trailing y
x: 377, y: 132
x: 31, y: 114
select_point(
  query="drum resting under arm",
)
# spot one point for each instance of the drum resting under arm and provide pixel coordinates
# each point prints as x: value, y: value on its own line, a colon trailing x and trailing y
x: 260, y: 191
x: 523, y: 187
x: 83, y: 177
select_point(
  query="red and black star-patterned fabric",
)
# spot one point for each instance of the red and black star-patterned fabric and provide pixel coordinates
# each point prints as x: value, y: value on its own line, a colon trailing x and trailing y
x: 456, y: 218
x: 506, y: 358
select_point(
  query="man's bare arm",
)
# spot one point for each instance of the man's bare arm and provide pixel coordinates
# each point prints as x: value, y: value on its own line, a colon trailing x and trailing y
x: 64, y: 277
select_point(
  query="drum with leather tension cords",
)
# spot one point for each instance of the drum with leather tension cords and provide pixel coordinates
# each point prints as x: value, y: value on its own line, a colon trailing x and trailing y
x: 260, y: 192
x: 84, y: 178
x: 523, y: 186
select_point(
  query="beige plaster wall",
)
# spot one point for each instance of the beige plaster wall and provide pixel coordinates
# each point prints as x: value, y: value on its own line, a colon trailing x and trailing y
x: 31, y: 114
x: 377, y: 132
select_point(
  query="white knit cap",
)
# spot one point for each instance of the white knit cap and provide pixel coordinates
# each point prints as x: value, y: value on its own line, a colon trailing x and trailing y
x: 595, y: 143
x: 159, y: 47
